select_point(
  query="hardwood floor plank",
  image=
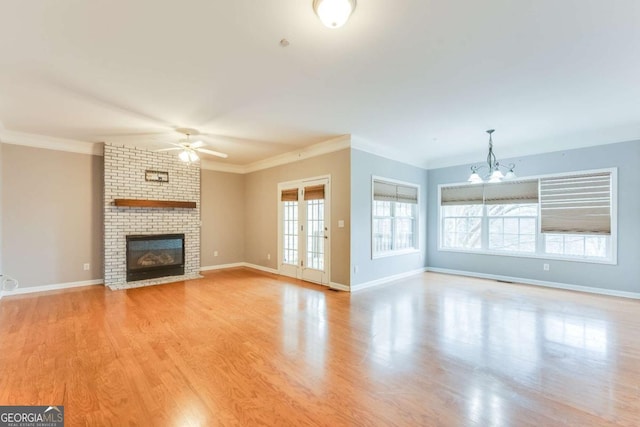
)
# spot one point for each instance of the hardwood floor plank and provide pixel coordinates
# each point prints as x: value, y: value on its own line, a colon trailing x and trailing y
x: 240, y: 347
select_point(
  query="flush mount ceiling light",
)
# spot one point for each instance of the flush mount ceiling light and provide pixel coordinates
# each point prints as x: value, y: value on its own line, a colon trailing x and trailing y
x: 334, y: 13
x: 494, y: 174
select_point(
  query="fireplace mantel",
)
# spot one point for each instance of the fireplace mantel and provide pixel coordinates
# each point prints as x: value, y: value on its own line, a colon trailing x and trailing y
x: 140, y: 203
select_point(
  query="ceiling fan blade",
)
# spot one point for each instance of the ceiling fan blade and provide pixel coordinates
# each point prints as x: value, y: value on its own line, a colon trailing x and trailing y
x: 213, y: 153
x: 197, y: 144
x: 169, y: 149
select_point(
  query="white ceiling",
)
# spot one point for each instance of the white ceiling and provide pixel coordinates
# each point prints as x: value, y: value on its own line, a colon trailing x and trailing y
x: 416, y: 79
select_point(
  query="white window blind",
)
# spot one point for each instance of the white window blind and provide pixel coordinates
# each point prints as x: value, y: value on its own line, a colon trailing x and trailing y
x: 511, y: 192
x: 391, y: 192
x: 576, y: 204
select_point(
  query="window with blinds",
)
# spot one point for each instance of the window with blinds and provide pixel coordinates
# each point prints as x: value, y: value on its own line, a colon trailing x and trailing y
x: 394, y: 217
x: 498, y: 217
x: 567, y: 216
x: 576, y: 204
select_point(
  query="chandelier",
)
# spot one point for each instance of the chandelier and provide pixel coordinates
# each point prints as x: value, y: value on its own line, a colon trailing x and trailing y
x: 494, y: 174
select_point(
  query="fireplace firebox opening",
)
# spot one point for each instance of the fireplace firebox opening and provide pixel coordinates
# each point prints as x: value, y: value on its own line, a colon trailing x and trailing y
x: 155, y: 255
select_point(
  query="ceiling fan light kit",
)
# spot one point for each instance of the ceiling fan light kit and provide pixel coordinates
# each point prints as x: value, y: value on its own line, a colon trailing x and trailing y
x: 188, y: 155
x: 334, y: 13
x: 494, y: 174
x: 189, y: 150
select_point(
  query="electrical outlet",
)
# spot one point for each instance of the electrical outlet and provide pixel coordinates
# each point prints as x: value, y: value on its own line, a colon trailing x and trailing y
x: 545, y: 267
x: 86, y: 266
x: 268, y: 256
x: 355, y: 269
x: 215, y: 253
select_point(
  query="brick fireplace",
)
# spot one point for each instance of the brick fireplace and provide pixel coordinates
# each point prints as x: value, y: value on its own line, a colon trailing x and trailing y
x: 126, y: 179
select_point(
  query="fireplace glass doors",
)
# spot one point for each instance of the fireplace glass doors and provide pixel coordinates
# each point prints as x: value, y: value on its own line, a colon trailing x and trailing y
x: 153, y: 256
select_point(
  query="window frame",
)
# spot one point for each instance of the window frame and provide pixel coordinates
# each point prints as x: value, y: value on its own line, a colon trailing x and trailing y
x: 416, y: 220
x: 540, y: 237
x: 482, y: 219
x: 486, y: 230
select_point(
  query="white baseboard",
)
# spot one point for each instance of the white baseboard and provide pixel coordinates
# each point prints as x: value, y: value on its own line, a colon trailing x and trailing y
x: 222, y: 266
x: 54, y: 287
x: 69, y: 285
x: 339, y: 286
x: 384, y: 280
x: 239, y: 264
x: 333, y: 285
x: 556, y: 285
x: 261, y: 268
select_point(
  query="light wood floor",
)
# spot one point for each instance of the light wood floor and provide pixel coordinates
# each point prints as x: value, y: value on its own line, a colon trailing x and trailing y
x: 241, y: 347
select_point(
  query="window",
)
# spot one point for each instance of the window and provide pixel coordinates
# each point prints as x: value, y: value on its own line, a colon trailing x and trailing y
x: 394, y: 217
x: 462, y: 226
x: 315, y: 233
x: 290, y: 226
x: 513, y: 228
x: 578, y: 204
x: 574, y: 245
x: 567, y: 216
x: 509, y: 227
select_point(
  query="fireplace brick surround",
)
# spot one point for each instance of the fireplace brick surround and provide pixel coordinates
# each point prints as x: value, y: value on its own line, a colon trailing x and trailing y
x: 124, y: 178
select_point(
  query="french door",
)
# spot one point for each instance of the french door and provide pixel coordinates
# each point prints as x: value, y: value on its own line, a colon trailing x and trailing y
x: 303, y: 229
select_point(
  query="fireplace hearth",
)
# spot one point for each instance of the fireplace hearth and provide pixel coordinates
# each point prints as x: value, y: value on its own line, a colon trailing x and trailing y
x: 155, y: 255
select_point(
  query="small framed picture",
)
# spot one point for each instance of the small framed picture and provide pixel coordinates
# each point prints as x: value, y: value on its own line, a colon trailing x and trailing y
x: 156, y: 176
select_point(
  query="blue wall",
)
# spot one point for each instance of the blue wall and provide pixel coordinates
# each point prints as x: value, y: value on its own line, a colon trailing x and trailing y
x: 363, y: 166
x: 625, y: 276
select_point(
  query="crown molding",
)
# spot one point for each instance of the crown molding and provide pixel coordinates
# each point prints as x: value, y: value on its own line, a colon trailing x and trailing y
x: 85, y: 147
x: 50, y: 143
x: 335, y: 144
x: 370, y: 147
x: 221, y: 167
x: 329, y: 146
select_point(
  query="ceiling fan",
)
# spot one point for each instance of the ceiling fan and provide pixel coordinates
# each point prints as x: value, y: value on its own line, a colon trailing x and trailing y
x: 189, y: 149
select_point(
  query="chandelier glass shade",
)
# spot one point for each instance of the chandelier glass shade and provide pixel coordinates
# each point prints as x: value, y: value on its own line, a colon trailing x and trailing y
x: 494, y: 174
x: 334, y: 13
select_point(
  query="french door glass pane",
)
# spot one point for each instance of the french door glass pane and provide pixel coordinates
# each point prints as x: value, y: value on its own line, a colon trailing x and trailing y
x: 315, y: 234
x: 290, y: 238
